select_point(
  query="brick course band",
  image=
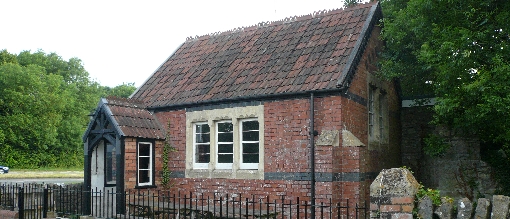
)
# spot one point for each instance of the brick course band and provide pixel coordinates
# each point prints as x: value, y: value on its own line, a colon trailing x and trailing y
x: 305, y: 176
x: 320, y: 177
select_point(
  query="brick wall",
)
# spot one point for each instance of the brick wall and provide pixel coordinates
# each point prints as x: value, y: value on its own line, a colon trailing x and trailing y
x: 130, y: 163
x: 286, y: 151
x: 130, y: 146
x: 355, y: 119
x: 342, y: 172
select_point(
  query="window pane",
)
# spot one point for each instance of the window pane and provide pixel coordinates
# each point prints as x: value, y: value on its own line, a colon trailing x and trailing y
x: 250, y: 158
x: 202, y: 128
x: 203, y: 158
x: 249, y: 148
x: 143, y: 176
x: 202, y: 138
x: 225, y: 148
x: 251, y: 135
x: 225, y: 158
x: 225, y: 137
x: 143, y: 162
x: 250, y: 125
x: 144, y: 149
x: 202, y: 154
x: 225, y: 127
x: 204, y: 148
x: 202, y: 133
x: 250, y: 142
x: 111, y: 164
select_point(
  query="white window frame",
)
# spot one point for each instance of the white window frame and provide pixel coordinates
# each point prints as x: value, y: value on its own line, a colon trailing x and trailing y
x: 217, y: 143
x: 242, y: 165
x: 150, y: 167
x: 212, y: 117
x: 195, y: 144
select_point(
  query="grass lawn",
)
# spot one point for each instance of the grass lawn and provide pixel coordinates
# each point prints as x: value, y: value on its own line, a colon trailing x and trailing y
x: 43, y: 173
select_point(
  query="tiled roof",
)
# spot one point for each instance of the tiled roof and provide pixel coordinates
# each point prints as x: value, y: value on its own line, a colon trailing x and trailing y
x: 308, y: 53
x: 133, y: 119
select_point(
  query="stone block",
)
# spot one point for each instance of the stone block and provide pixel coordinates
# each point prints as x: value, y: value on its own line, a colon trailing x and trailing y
x: 328, y: 138
x: 482, y: 209
x: 500, y: 204
x: 395, y: 182
x: 350, y: 140
x: 402, y: 216
x: 445, y: 210
x: 425, y: 208
x: 464, y: 209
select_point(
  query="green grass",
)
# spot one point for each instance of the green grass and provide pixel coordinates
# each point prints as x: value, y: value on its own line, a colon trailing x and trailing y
x: 43, y: 173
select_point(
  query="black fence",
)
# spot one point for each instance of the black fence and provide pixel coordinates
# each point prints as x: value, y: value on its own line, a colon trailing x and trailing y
x: 71, y: 201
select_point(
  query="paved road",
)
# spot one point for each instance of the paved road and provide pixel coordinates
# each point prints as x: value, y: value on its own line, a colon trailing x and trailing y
x: 47, y: 180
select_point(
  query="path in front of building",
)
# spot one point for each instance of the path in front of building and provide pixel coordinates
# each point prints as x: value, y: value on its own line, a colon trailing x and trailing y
x: 42, y: 181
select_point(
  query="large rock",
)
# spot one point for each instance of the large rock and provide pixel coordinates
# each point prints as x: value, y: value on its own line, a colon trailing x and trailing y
x: 425, y: 208
x: 445, y: 210
x: 500, y: 204
x: 395, y: 182
x: 482, y: 209
x: 392, y: 194
x: 464, y: 209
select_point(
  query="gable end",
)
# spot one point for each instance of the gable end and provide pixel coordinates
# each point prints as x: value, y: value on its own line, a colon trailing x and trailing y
x: 348, y: 73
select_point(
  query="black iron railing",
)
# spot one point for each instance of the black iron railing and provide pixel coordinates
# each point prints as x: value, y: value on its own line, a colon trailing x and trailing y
x: 47, y: 201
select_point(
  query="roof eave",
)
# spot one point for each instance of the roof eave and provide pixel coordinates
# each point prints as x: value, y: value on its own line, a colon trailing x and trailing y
x: 263, y: 97
x: 113, y: 121
x: 103, y: 104
x: 102, y: 101
x: 354, y: 58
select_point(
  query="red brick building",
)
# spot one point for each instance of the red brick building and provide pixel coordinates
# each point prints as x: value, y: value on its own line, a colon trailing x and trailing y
x: 245, y: 108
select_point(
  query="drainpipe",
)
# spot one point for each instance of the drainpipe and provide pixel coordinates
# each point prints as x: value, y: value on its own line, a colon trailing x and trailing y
x: 313, y: 133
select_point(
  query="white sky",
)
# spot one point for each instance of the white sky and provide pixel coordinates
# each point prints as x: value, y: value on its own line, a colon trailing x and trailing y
x: 126, y: 41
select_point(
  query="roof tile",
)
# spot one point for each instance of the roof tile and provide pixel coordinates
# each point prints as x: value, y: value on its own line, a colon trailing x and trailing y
x: 300, y: 54
x: 133, y: 119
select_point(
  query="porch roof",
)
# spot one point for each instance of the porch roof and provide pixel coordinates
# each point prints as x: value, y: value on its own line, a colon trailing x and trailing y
x: 128, y: 117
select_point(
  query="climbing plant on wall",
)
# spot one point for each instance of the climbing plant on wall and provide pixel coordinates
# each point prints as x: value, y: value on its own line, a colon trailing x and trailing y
x: 167, y: 148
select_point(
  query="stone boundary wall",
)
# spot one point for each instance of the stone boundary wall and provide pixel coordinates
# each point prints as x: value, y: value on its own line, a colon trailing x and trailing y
x: 6, y: 214
x: 497, y: 208
x: 393, y: 192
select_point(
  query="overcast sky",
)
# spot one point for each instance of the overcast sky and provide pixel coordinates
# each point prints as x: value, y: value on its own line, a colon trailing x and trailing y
x: 126, y: 41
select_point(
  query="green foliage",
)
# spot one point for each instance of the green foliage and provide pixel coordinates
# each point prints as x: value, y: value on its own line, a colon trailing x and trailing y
x: 499, y: 159
x: 458, y: 52
x: 167, y: 148
x: 6, y: 57
x: 435, y: 146
x: 350, y: 3
x: 44, y: 103
x: 124, y: 90
x: 433, y: 194
x: 407, y: 168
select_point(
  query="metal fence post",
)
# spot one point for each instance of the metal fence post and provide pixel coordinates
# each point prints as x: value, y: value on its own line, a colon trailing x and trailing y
x: 21, y: 203
x: 45, y: 203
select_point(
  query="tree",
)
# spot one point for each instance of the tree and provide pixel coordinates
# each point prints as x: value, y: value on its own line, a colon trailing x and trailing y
x: 44, y: 106
x: 124, y: 90
x: 31, y: 103
x: 44, y: 103
x: 350, y: 3
x: 458, y: 52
